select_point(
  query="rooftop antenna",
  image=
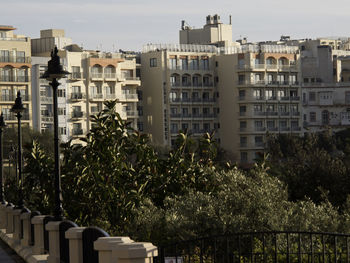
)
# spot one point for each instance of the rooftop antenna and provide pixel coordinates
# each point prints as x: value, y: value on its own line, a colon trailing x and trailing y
x: 230, y: 20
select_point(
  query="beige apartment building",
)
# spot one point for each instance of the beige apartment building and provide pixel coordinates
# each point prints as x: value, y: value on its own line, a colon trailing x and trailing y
x: 179, y: 91
x: 260, y: 93
x: 15, y: 70
x: 242, y: 92
x: 95, y: 77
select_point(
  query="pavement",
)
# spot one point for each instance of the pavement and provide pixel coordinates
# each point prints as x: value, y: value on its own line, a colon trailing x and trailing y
x: 7, y: 255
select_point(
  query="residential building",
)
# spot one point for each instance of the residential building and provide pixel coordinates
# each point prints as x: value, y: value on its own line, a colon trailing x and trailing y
x: 15, y: 71
x: 179, y: 91
x: 95, y: 77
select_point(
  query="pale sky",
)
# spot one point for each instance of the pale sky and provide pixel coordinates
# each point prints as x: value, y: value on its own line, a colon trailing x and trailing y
x: 128, y: 24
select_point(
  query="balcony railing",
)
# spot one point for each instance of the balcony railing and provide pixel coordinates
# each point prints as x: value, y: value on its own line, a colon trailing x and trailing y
x: 96, y: 96
x: 47, y: 118
x: 109, y: 96
x: 12, y: 117
x: 45, y: 99
x: 132, y: 114
x: 14, y: 78
x: 132, y: 78
x: 110, y: 75
x: 260, y: 129
x: 13, y: 59
x: 96, y: 75
x: 77, y: 114
x: 268, y: 82
x: 77, y: 96
x: 259, y: 144
x: 77, y: 131
x: 75, y: 75
x: 129, y: 96
x: 13, y: 97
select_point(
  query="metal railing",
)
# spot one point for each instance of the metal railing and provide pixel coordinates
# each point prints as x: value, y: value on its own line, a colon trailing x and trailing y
x: 262, y: 247
x: 8, y: 97
x: 77, y: 131
x: 14, y: 59
x: 77, y: 96
x: 75, y: 75
x: 14, y: 78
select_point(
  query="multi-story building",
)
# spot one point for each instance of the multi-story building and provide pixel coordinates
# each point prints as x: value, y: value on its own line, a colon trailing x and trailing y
x: 15, y: 70
x: 179, y: 91
x: 240, y: 91
x: 260, y: 93
x: 95, y: 77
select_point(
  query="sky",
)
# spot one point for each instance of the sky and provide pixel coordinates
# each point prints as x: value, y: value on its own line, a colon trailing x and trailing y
x: 111, y: 25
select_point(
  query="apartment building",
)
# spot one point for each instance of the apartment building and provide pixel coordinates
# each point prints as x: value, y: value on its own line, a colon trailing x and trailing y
x: 15, y: 71
x: 95, y: 77
x: 260, y: 93
x: 240, y: 91
x: 179, y: 91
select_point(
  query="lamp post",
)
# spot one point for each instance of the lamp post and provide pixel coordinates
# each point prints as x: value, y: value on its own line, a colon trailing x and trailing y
x: 53, y: 73
x: 2, y: 126
x: 18, y: 109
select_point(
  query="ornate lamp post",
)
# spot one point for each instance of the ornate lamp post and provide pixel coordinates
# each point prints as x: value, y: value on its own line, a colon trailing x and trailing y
x: 2, y: 126
x: 18, y: 109
x: 53, y: 73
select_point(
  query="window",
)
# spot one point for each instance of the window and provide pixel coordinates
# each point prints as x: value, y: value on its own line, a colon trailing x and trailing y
x: 61, y: 111
x: 172, y: 63
x: 244, y: 157
x: 270, y: 124
x: 283, y: 124
x: 241, y: 79
x: 243, y: 141
x: 347, y: 97
x: 195, y: 127
x: 184, y: 63
x: 184, y: 127
x: 173, y: 111
x: 312, y: 96
x: 269, y: 94
x: 174, y: 128
x: 325, y: 117
x: 312, y: 116
x: 216, y: 125
x: 270, y: 108
x: 294, y: 124
x: 242, y: 110
x: 258, y: 124
x: 185, y: 111
x: 195, y: 112
x: 206, y: 111
x: 293, y: 93
x: 258, y: 108
x: 140, y: 125
x: 194, y: 64
x: 242, y: 125
x: 241, y: 94
x: 206, y: 127
x: 153, y: 62
x: 257, y: 93
x: 205, y: 63
x: 294, y: 108
x: 61, y: 93
x: 62, y: 130
x: 259, y: 141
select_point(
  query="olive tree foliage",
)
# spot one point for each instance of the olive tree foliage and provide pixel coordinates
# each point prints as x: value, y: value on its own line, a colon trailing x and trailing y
x: 253, y: 201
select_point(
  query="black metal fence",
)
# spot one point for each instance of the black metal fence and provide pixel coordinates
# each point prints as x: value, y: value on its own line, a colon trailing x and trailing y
x: 90, y: 235
x: 260, y: 247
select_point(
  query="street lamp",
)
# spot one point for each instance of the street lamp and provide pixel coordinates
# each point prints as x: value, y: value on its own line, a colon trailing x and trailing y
x: 2, y: 126
x: 18, y: 109
x: 53, y: 73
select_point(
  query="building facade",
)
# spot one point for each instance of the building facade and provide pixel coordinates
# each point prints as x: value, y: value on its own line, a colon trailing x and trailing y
x: 15, y: 74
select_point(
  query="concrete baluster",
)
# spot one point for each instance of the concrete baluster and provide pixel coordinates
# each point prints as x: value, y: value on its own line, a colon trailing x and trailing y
x: 75, y: 236
x: 105, y: 246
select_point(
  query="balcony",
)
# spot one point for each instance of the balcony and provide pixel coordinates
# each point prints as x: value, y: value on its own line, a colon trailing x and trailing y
x: 272, y: 113
x: 284, y: 129
x: 13, y: 59
x: 259, y: 144
x: 284, y: 113
x: 129, y: 97
x: 47, y: 118
x: 12, y: 117
x: 75, y: 76
x: 12, y: 98
x: 295, y: 113
x: 77, y: 114
x: 259, y: 113
x: 260, y: 129
x: 96, y: 96
x: 243, y: 144
x: 272, y: 128
x: 110, y: 76
x: 77, y: 96
x: 46, y: 100
x: 132, y: 114
x: 295, y: 98
x: 296, y: 128
x: 96, y: 76
x: 110, y: 96
x: 76, y: 132
x: 14, y: 78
